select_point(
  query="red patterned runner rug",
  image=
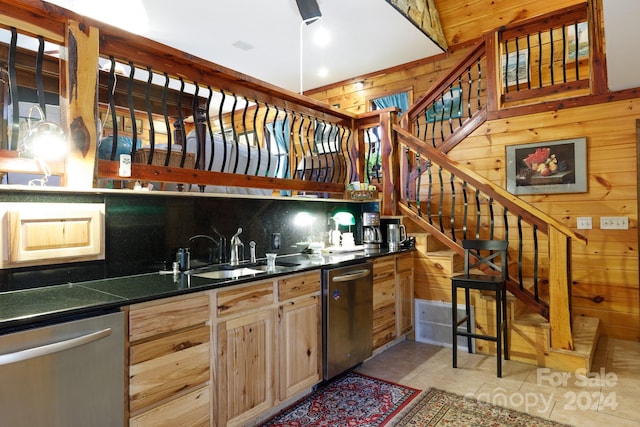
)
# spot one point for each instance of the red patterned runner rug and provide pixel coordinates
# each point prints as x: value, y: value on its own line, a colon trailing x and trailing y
x: 354, y: 400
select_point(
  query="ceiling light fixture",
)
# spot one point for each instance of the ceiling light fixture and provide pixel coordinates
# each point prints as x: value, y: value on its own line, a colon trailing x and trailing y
x: 309, y: 10
x: 359, y: 85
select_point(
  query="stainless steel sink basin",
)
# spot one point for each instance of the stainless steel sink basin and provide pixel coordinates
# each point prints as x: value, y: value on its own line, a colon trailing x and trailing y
x: 228, y: 274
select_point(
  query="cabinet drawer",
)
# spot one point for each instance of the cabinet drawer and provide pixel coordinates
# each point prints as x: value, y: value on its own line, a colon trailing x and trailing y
x: 299, y: 285
x: 243, y: 298
x: 47, y: 233
x: 192, y: 409
x: 167, y: 315
x: 168, y: 344
x: 161, y: 377
x: 384, y: 268
x: 405, y: 262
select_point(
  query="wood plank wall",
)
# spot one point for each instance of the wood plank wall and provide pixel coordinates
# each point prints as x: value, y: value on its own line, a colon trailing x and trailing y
x: 605, y: 272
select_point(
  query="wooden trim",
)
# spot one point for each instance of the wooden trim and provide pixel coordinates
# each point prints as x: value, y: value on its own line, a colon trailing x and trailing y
x: 544, y: 22
x: 559, y: 290
x: 368, y: 99
x: 598, y: 67
x: 492, y: 53
x: 561, y: 104
x: 638, y: 189
x: 533, y: 94
x: 150, y: 173
x: 390, y: 164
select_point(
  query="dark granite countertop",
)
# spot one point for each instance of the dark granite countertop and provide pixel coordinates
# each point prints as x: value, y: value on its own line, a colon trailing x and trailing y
x: 34, y: 306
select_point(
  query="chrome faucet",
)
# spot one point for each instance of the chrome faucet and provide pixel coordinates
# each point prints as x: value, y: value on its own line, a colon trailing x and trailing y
x: 236, y: 244
x: 222, y: 246
x: 211, y: 258
x: 252, y: 251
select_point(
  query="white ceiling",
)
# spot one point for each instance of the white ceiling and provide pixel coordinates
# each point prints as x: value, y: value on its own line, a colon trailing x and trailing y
x: 365, y: 35
x: 622, y: 32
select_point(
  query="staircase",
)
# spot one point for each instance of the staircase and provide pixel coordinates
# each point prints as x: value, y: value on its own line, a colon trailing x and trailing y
x: 445, y: 202
x: 529, y: 335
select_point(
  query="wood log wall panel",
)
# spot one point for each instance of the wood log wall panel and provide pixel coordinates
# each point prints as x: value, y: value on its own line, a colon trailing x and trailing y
x: 611, y: 165
x: 466, y: 21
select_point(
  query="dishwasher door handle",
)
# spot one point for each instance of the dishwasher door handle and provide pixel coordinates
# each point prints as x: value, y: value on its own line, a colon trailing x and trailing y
x: 56, y: 347
x: 351, y: 276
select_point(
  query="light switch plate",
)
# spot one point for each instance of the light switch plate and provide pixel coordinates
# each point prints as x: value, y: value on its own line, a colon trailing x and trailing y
x: 614, y: 223
x: 584, y: 223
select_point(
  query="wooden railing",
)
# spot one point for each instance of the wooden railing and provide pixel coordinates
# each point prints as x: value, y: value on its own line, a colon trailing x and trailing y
x: 454, y: 106
x: 180, y: 118
x: 545, y: 57
x: 455, y: 203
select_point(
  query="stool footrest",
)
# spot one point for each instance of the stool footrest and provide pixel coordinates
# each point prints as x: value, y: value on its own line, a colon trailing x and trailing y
x: 477, y: 336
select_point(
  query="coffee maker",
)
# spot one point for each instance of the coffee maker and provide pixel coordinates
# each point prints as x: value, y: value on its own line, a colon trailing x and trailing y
x: 371, y: 235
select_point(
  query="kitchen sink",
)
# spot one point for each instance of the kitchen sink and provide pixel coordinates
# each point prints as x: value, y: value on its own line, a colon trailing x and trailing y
x: 229, y: 274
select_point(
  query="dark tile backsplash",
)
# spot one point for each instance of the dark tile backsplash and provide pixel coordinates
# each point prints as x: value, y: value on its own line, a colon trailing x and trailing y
x: 143, y: 231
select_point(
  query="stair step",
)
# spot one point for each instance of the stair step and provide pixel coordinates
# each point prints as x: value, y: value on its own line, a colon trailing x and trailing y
x: 447, y: 261
x: 586, y: 333
x: 531, y: 319
x: 426, y: 242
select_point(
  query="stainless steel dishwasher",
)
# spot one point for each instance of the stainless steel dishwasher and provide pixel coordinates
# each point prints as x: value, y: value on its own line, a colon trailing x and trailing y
x: 347, y: 309
x: 68, y: 374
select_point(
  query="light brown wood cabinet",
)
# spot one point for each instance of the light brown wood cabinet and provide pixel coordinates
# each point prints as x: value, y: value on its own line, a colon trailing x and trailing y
x: 404, y: 293
x: 300, y: 328
x: 392, y: 298
x: 384, y: 301
x: 50, y: 233
x: 169, y: 359
x: 268, y: 345
x: 246, y: 352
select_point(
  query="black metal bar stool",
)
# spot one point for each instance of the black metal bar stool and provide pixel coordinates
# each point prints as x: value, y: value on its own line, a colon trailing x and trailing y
x: 478, y: 254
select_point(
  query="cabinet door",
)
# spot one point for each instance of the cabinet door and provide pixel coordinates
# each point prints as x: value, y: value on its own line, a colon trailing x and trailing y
x: 404, y: 306
x: 246, y: 372
x: 300, y: 328
x: 384, y: 302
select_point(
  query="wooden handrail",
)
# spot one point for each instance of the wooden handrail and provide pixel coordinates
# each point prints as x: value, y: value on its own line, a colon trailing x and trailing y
x: 443, y: 83
x: 515, y: 205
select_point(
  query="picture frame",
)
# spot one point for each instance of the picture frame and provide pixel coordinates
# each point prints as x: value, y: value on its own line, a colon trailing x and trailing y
x: 547, y: 167
x: 107, y: 121
x: 128, y: 125
x: 515, y: 68
x: 448, y: 106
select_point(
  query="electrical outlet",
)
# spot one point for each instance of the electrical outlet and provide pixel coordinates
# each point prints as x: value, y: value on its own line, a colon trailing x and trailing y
x: 584, y: 223
x: 614, y: 223
x: 275, y: 241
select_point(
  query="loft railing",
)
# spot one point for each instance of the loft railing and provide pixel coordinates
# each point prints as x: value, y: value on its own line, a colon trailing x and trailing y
x: 545, y: 57
x: 181, y: 119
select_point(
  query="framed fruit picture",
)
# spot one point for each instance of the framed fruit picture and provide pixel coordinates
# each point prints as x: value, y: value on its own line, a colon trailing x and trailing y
x: 547, y: 167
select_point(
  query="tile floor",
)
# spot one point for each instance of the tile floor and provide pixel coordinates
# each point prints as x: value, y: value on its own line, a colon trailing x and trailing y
x: 610, y: 396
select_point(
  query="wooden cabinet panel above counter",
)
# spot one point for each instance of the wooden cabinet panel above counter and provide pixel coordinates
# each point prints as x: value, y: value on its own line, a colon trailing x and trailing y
x: 50, y: 233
